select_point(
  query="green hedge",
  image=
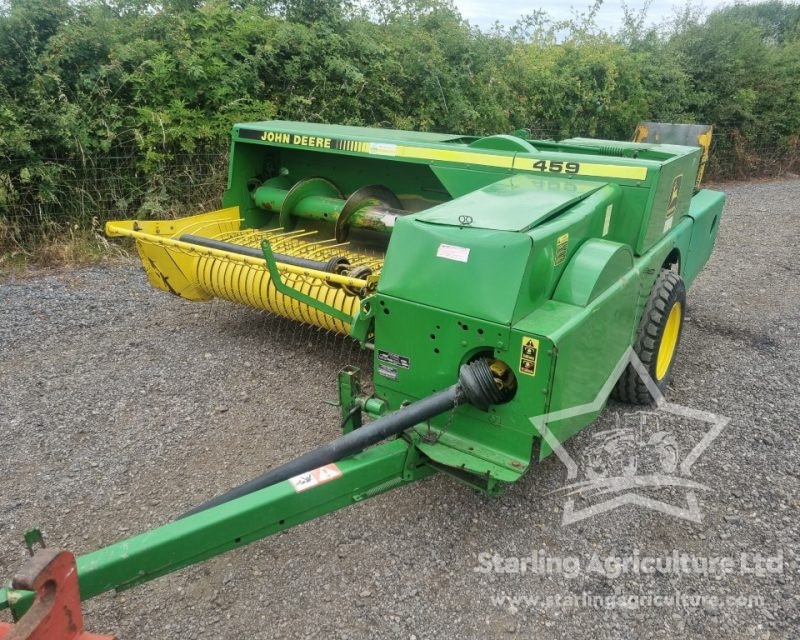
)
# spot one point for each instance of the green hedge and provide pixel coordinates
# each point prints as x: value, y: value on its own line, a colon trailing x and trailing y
x: 121, y: 107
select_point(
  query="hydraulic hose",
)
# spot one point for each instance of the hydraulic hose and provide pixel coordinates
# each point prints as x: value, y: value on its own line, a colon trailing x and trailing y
x: 473, y: 387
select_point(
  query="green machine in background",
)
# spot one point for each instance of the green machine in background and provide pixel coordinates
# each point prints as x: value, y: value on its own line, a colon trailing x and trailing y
x: 495, y: 279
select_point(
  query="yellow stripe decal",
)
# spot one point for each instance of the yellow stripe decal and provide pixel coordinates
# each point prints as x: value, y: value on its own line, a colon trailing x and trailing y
x: 592, y: 169
x: 510, y: 162
x: 451, y: 155
x: 503, y: 161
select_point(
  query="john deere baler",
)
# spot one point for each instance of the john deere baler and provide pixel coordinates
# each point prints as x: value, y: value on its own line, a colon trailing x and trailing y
x: 496, y: 280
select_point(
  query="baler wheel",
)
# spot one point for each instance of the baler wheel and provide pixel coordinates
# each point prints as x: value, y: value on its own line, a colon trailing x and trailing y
x: 657, y: 341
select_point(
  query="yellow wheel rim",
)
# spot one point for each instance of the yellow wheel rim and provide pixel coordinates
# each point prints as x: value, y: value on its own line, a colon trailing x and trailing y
x: 669, y: 340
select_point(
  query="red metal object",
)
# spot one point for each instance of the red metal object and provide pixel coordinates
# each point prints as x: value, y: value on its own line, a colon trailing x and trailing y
x: 56, y: 612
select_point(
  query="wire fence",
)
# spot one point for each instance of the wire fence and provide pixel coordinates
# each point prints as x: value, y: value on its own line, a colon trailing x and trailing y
x: 42, y: 198
x: 45, y: 197
x: 733, y: 158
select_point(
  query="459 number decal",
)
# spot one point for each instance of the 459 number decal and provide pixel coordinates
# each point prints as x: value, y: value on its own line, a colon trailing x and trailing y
x: 562, y: 167
x: 556, y: 166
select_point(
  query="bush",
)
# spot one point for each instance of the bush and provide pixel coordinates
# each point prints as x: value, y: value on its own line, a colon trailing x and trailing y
x: 121, y: 107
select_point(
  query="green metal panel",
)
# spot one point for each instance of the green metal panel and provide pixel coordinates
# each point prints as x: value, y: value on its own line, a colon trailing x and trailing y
x: 426, y: 345
x: 595, y: 267
x: 705, y: 211
x: 678, y: 240
x: 419, y: 349
x: 459, y: 181
x: 670, y: 200
x: 580, y: 162
x: 589, y: 343
x: 649, y: 265
x: 516, y: 203
x: 475, y: 272
x: 626, y: 219
x: 556, y: 242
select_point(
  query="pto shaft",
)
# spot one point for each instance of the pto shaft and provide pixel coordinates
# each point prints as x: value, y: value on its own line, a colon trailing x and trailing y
x: 350, y: 443
x: 476, y: 386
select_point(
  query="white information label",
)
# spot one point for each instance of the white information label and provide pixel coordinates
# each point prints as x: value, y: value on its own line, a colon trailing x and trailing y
x: 383, y: 149
x: 452, y: 252
x: 607, y: 222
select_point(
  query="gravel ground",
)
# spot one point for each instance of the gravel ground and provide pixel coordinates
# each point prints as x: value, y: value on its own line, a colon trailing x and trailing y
x: 122, y: 407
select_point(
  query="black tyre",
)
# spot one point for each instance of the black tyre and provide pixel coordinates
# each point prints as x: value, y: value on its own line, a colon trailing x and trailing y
x: 657, y: 340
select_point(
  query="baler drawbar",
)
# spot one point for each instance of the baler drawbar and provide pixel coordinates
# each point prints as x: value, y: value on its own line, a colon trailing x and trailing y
x: 494, y: 279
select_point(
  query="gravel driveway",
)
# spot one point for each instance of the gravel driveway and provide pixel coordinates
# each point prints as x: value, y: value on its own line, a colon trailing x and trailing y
x: 122, y: 407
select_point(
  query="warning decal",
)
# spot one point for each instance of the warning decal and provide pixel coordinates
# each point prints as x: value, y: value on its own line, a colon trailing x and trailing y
x: 562, y: 242
x: 315, y: 477
x: 673, y: 195
x: 528, y: 356
x: 672, y: 205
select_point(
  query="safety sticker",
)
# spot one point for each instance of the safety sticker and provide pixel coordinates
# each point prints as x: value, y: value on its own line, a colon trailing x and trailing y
x: 562, y: 242
x: 672, y: 205
x: 452, y: 252
x: 387, y: 372
x: 528, y: 356
x: 673, y: 195
x: 394, y: 359
x: 315, y: 477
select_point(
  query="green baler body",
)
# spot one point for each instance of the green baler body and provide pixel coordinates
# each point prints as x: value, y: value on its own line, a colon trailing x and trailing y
x: 509, y: 241
x: 539, y: 253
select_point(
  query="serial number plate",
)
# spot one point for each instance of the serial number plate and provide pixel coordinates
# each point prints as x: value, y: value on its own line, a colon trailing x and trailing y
x: 394, y: 359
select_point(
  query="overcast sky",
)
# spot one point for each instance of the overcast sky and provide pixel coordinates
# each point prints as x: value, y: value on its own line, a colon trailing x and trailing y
x: 485, y: 12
